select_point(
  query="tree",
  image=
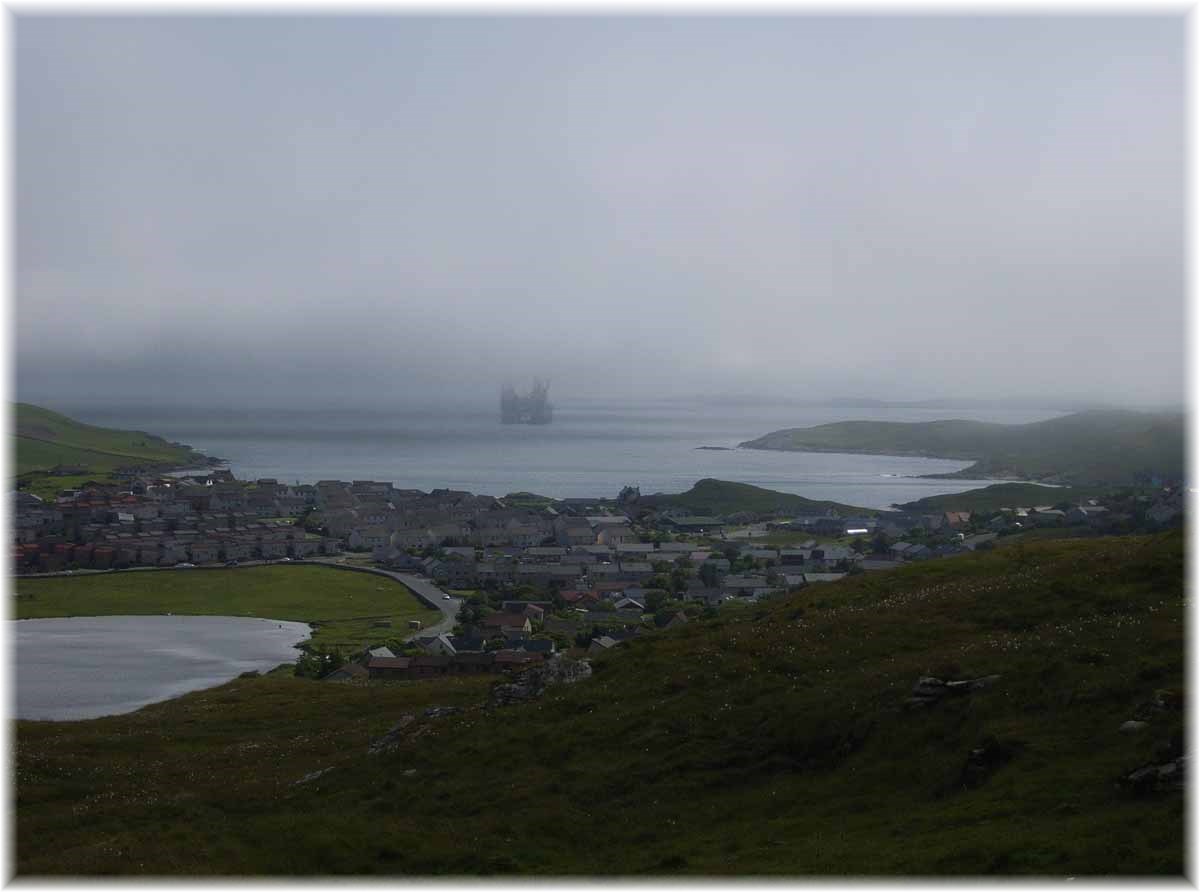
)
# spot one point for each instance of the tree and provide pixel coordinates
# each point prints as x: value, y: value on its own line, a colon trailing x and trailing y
x: 709, y: 574
x: 655, y: 600
x: 318, y: 663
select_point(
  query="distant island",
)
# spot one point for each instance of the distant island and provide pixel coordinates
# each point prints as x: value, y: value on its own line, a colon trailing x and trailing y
x: 531, y: 408
x: 1100, y: 447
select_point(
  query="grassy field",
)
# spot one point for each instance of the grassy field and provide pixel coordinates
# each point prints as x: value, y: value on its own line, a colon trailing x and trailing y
x: 1088, y: 448
x: 771, y: 741
x: 718, y: 497
x: 346, y: 605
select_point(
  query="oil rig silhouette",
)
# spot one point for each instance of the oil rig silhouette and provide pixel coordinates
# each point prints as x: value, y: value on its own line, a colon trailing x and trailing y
x: 531, y: 408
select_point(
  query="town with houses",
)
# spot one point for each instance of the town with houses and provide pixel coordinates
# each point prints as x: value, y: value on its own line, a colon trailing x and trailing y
x: 530, y: 580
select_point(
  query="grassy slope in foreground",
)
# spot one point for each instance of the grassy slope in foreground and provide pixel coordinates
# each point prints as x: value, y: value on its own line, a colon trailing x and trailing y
x: 344, y: 603
x: 720, y: 497
x: 1097, y: 447
x: 771, y: 741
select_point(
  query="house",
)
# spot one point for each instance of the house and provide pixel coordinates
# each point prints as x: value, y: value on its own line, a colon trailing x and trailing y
x: 673, y: 621
x: 639, y: 570
x: 499, y: 623
x: 973, y: 542
x: 695, y: 523
x: 544, y: 646
x: 575, y: 596
x: 711, y: 597
x: 743, y: 585
x: 437, y: 645
x: 601, y: 644
x: 348, y: 672
x: 635, y: 548
x: 514, y: 660
x: 829, y: 526
x: 870, y: 564
x: 615, y: 535
x: 472, y: 663
x: 1046, y: 516
x: 956, y: 519
x: 573, y: 531
x: 388, y: 667
x: 464, y: 644
x: 428, y: 666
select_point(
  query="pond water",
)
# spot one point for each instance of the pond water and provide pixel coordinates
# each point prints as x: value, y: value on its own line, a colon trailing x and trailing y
x: 90, y: 666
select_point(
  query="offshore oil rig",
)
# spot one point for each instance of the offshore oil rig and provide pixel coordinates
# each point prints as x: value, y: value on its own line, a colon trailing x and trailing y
x: 531, y: 408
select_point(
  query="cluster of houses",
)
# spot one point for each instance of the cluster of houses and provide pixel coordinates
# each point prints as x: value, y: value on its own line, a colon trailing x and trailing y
x: 382, y: 663
x: 162, y: 521
x: 520, y: 635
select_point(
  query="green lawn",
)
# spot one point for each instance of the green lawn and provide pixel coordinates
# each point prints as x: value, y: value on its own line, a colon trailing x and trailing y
x: 347, y: 605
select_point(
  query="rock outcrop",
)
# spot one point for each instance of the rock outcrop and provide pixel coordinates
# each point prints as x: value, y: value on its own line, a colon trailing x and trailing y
x: 1157, y: 778
x: 532, y: 683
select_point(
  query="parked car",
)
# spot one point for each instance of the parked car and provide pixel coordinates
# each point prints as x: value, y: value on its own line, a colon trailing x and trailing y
x: 184, y: 566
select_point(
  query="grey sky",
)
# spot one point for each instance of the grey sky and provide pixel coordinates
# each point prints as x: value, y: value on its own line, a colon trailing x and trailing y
x: 369, y: 207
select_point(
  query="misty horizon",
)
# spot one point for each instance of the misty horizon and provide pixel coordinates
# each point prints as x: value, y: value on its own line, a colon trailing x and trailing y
x: 382, y: 211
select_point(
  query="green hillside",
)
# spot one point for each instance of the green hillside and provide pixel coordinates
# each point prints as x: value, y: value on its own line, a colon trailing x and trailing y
x: 44, y: 441
x: 777, y: 740
x: 1001, y: 495
x: 719, y: 497
x: 1103, y: 447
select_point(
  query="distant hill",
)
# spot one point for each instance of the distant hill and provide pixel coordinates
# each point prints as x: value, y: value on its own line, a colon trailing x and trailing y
x: 717, y: 497
x: 1102, y: 447
x: 783, y: 739
x: 46, y: 440
x: 1001, y: 495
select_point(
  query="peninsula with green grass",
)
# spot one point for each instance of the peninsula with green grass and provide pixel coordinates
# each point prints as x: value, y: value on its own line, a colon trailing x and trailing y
x: 718, y: 497
x: 53, y: 452
x: 1100, y: 447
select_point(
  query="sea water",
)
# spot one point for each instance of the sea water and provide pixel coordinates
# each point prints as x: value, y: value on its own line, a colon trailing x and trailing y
x: 592, y: 448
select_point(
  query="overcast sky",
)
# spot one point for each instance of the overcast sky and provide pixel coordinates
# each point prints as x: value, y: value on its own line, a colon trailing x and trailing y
x: 368, y: 208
